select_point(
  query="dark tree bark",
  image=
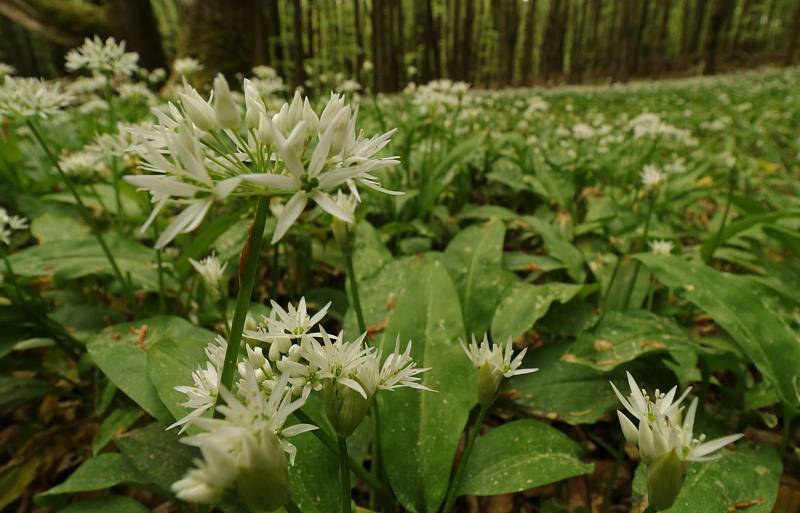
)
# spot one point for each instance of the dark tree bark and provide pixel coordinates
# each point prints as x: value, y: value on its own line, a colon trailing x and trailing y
x: 638, y: 47
x: 578, y: 48
x: 277, y: 53
x: 468, y: 43
x: 794, y: 36
x: 357, y: 28
x: 719, y: 20
x: 555, y: 33
x: 697, y: 29
x: 298, y: 71
x: 594, y: 42
x: 663, y: 33
x: 134, y: 22
x: 215, y: 32
x: 377, y: 44
x: 528, y: 42
x: 454, y: 60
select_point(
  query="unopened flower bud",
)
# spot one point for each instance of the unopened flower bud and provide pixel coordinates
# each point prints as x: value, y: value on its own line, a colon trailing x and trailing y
x: 225, y: 108
x: 488, y: 383
x: 344, y: 407
x: 197, y: 109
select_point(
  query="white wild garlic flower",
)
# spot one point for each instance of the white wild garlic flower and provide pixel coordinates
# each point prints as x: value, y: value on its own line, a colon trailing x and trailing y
x: 105, y: 57
x: 249, y: 448
x: 27, y: 98
x: 9, y: 224
x: 652, y: 176
x: 493, y: 362
x: 661, y: 247
x: 665, y: 439
x: 205, y: 151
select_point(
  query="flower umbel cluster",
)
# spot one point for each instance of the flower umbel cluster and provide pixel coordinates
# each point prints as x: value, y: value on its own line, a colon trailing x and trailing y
x: 9, y: 223
x: 25, y: 98
x: 248, y: 448
x: 103, y: 57
x: 665, y: 439
x: 493, y: 362
x: 202, y: 151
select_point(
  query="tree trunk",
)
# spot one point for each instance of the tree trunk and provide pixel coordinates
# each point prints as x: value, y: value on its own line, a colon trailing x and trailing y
x: 357, y: 27
x: 134, y: 22
x: 719, y: 20
x: 639, y: 42
x: 794, y: 35
x: 277, y: 53
x: 298, y: 71
x: 215, y: 31
x: 468, y: 43
x: 528, y: 42
x: 697, y: 31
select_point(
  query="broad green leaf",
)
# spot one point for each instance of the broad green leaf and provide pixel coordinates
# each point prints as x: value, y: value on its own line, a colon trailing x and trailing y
x: 78, y: 257
x: 106, y: 504
x: 420, y: 431
x: 520, y: 455
x: 113, y: 425
x: 557, y: 246
x: 121, y: 353
x: 157, y: 455
x: 749, y: 474
x: 714, y: 241
x: 523, y: 304
x: 98, y: 473
x: 622, y: 292
x: 623, y: 335
x: 474, y: 259
x: 176, y: 351
x: 369, y: 253
x: 574, y: 393
x: 519, y: 261
x: 732, y: 301
x: 487, y: 213
x: 314, y: 475
x: 52, y: 226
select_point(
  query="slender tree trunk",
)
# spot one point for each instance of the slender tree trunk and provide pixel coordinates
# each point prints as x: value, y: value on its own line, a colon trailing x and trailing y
x: 794, y: 35
x: 134, y: 22
x: 719, y: 19
x: 638, y: 48
x: 468, y: 43
x: 697, y: 31
x: 528, y: 42
x: 298, y: 71
x: 456, y: 47
x: 215, y: 32
x: 276, y: 49
x: 357, y: 28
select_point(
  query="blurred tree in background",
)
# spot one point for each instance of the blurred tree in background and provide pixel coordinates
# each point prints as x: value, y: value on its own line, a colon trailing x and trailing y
x: 384, y: 44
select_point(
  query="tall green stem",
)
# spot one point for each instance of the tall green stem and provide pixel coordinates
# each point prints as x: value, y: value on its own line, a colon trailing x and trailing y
x: 351, y: 275
x: 344, y: 475
x: 728, y: 201
x: 87, y: 216
x: 247, y: 275
x: 632, y: 286
x: 355, y: 467
x: 450, y: 498
x: 162, y: 301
